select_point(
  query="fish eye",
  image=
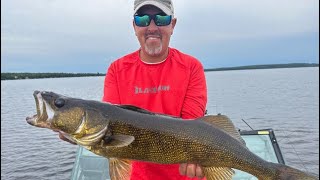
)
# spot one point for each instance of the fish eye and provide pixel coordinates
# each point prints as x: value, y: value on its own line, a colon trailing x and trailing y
x: 59, y: 102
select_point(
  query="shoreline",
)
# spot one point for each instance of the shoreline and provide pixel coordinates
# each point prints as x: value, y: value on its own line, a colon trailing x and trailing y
x: 265, y: 66
x: 29, y: 75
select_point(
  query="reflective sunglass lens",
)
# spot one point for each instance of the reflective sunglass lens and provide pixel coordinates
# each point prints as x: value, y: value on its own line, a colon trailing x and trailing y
x: 162, y: 20
x: 142, y: 21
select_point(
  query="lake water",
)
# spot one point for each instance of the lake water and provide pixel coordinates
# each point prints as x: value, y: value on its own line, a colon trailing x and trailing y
x: 286, y: 100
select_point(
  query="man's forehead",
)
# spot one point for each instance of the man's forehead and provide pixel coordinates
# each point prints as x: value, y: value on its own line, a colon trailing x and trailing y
x: 149, y: 9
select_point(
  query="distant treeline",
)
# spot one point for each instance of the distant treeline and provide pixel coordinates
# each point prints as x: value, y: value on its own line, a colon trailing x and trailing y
x: 266, y: 66
x: 13, y: 76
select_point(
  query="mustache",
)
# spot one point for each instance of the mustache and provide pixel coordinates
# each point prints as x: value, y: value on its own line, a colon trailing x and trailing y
x: 153, y: 34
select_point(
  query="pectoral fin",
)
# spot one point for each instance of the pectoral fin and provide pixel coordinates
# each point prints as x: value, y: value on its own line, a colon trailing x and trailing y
x: 224, y: 123
x: 118, y: 140
x: 218, y: 173
x: 119, y: 169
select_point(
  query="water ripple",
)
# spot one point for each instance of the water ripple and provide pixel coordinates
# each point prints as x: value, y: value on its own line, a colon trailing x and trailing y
x: 281, y: 99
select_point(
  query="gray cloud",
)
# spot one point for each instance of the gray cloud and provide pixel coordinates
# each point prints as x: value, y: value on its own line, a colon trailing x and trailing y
x: 51, y: 28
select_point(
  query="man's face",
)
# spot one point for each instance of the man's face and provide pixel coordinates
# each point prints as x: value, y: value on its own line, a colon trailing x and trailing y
x: 153, y: 39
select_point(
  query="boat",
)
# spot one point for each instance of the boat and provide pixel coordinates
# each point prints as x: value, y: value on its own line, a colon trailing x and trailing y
x: 263, y: 142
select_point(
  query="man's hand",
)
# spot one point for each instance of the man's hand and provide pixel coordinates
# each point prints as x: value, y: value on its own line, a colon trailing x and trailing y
x: 191, y: 170
x: 64, y: 138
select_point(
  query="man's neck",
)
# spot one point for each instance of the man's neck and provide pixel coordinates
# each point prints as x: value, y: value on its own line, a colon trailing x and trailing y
x: 153, y: 59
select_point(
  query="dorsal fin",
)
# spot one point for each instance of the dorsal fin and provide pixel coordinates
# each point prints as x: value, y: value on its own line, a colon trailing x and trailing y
x: 140, y: 110
x: 135, y: 108
x: 224, y: 123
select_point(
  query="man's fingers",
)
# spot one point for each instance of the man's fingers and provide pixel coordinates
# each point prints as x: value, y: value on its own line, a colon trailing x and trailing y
x: 199, y: 172
x: 65, y: 139
x: 191, y: 170
x: 183, y: 169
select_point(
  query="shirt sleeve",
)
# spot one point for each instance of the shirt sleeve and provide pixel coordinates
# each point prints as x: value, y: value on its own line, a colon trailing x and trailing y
x: 195, y: 101
x: 111, y: 91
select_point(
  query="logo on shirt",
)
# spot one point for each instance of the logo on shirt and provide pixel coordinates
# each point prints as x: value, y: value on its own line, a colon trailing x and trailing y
x: 151, y: 90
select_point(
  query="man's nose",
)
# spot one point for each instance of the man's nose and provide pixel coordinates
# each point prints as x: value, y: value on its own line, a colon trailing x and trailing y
x: 152, y: 26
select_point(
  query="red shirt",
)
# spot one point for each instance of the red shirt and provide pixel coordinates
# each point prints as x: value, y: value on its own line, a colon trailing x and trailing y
x: 176, y: 87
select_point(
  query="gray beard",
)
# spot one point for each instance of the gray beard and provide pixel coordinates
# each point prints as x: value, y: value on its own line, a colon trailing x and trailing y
x: 153, y: 50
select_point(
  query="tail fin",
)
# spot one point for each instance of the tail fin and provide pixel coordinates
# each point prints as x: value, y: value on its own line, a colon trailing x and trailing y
x: 289, y: 173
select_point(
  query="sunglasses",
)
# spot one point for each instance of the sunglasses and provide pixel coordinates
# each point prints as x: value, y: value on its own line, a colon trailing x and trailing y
x: 159, y: 20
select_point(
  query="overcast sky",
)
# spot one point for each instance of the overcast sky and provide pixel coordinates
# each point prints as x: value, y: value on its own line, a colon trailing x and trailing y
x: 86, y: 35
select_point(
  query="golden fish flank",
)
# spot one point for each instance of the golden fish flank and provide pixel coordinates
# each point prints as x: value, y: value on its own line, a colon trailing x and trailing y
x: 123, y: 133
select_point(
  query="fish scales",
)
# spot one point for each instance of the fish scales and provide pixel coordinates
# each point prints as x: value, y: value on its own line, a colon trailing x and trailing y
x: 198, y: 139
x: 170, y: 133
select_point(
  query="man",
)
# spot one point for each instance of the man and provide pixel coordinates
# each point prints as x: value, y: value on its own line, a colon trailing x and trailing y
x: 158, y: 78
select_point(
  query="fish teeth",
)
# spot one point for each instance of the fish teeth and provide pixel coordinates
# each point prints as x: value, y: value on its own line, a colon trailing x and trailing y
x: 50, y: 111
x: 40, y: 102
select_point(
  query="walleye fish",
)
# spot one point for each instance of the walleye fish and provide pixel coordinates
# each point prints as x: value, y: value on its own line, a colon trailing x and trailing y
x: 123, y: 133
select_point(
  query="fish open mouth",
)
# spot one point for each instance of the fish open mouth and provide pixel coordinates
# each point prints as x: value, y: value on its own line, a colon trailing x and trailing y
x: 39, y: 119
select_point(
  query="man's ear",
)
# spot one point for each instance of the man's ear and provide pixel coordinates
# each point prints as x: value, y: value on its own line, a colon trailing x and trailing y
x: 173, y: 24
x: 134, y: 27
